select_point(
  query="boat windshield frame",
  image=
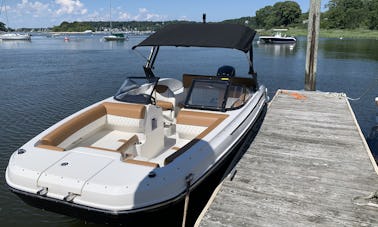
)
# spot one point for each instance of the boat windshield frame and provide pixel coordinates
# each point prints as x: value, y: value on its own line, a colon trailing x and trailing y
x: 205, y: 95
x: 137, y: 90
x: 215, y: 94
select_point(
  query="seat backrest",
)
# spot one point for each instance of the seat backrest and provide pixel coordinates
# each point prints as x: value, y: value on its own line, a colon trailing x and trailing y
x: 165, y: 98
x: 154, y: 133
x: 75, y: 125
x: 58, y: 135
x: 200, y: 122
x: 125, y: 116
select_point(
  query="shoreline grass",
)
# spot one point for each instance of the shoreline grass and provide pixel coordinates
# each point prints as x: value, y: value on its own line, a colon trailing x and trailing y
x: 331, y: 33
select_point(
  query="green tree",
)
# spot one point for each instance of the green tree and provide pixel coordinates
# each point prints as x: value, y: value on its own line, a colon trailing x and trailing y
x: 372, y: 15
x: 280, y: 14
x: 2, y: 26
x: 286, y: 13
x: 73, y: 27
x: 345, y: 14
x: 265, y: 17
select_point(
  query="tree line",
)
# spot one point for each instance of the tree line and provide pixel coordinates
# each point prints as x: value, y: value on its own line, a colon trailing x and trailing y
x: 116, y: 25
x: 2, y: 26
x: 351, y: 14
x: 340, y: 14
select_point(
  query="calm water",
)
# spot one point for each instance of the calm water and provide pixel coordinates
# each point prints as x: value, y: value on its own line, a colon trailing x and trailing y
x: 48, y: 79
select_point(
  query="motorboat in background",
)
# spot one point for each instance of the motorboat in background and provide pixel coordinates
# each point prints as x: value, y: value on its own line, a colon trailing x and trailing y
x: 15, y: 36
x: 278, y: 38
x: 147, y: 147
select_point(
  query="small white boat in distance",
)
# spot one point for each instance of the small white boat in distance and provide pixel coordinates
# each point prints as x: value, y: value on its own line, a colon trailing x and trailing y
x: 113, y: 36
x: 142, y: 151
x: 15, y: 36
x: 278, y: 38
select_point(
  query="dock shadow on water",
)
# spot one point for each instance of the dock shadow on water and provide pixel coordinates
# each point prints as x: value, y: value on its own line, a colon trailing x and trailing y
x: 372, y: 140
x: 170, y: 215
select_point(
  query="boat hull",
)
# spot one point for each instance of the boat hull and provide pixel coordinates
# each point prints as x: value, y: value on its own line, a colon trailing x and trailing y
x: 10, y: 37
x: 278, y: 40
x: 170, y: 212
x: 114, y: 39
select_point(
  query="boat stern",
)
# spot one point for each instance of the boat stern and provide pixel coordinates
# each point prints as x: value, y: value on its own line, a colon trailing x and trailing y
x: 25, y: 167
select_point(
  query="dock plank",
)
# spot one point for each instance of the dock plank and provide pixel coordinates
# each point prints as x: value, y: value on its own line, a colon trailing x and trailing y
x: 306, y: 167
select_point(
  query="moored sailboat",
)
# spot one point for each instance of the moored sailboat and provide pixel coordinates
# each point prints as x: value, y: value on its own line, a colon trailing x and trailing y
x: 113, y: 36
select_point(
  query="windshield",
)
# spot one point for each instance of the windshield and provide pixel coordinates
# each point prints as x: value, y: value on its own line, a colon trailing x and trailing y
x: 219, y: 95
x: 207, y: 94
x: 137, y: 90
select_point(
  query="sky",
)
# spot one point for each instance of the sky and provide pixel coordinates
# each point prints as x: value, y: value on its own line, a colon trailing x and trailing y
x: 48, y: 13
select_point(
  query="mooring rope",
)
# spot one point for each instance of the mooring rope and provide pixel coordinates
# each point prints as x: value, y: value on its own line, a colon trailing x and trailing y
x: 188, y: 180
x: 363, y: 94
x: 370, y: 200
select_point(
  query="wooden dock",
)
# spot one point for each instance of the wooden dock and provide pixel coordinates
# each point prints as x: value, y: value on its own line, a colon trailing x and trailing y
x: 308, y: 166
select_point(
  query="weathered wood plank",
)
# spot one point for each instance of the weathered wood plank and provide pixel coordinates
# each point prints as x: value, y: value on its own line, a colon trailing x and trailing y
x: 306, y: 167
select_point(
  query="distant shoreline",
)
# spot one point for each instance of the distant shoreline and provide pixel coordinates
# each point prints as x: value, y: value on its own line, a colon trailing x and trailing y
x: 332, y: 33
x: 324, y: 33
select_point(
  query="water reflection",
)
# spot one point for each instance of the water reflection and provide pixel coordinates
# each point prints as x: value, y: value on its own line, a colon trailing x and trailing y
x: 350, y: 48
x: 278, y: 49
x: 47, y: 79
x: 9, y: 44
x: 372, y: 140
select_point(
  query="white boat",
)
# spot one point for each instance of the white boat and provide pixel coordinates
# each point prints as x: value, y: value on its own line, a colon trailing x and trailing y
x: 9, y: 35
x: 157, y: 139
x: 115, y: 37
x: 15, y: 36
x: 278, y: 38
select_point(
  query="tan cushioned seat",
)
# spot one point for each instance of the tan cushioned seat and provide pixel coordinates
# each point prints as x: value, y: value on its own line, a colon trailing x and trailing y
x: 209, y: 120
x: 68, y: 128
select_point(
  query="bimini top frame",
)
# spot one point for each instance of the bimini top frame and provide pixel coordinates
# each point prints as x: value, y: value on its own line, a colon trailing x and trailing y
x: 219, y: 35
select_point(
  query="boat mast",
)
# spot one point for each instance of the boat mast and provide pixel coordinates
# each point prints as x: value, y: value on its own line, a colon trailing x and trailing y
x: 110, y: 15
x: 4, y: 6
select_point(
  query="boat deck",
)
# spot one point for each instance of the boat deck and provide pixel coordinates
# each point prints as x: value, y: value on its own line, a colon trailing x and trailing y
x: 308, y: 166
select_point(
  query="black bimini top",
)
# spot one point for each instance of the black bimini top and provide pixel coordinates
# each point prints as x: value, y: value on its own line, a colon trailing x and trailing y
x: 202, y: 35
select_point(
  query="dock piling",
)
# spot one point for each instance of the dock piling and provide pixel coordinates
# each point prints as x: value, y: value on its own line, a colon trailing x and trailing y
x: 312, y: 45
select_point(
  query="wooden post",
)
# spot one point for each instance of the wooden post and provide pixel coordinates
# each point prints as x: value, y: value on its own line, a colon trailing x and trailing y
x: 312, y: 45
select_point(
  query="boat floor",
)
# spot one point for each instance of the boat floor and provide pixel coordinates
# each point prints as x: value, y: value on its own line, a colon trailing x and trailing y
x: 112, y: 140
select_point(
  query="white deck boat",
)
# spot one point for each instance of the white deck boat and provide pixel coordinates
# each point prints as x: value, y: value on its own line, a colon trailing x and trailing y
x: 278, y: 38
x: 150, y: 144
